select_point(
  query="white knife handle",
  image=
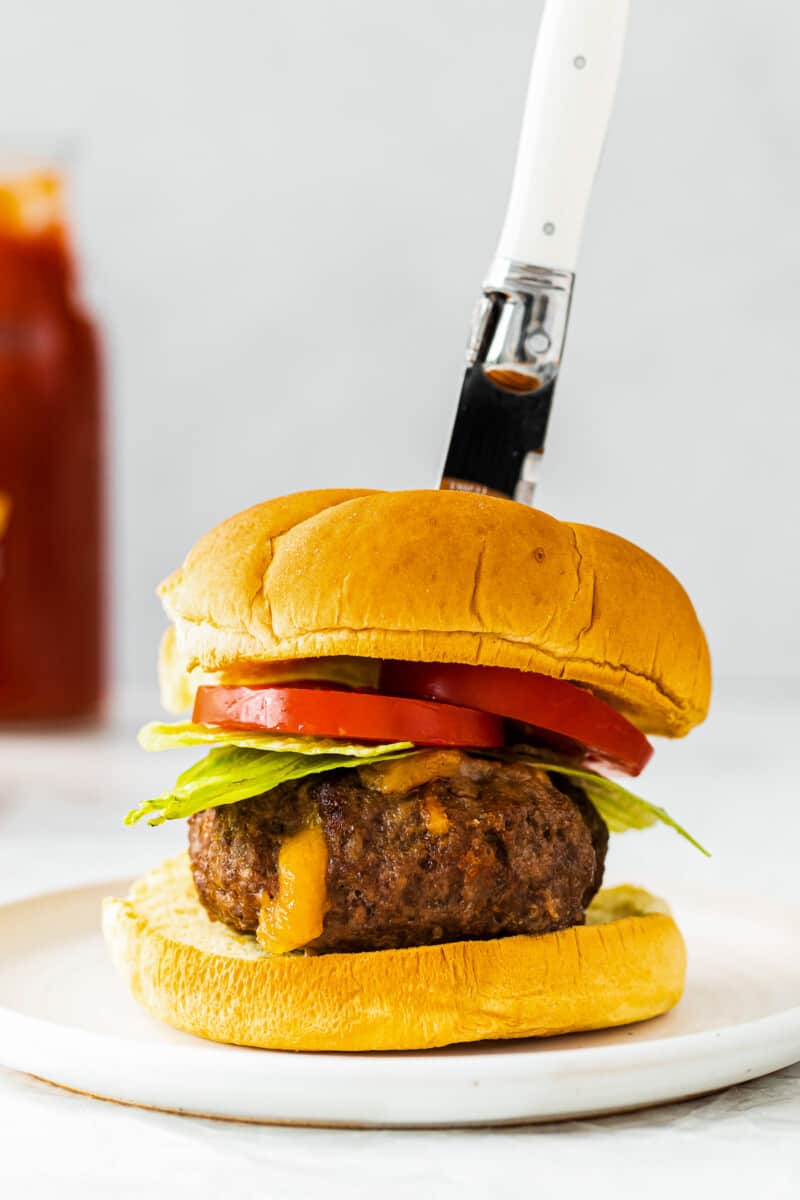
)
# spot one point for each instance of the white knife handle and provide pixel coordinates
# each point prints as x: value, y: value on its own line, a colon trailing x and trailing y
x: 573, y: 79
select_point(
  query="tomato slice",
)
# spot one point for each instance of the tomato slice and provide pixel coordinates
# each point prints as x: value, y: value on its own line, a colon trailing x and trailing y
x: 550, y: 705
x: 364, y: 716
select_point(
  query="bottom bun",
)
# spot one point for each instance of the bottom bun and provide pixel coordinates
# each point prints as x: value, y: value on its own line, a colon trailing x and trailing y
x: 626, y: 964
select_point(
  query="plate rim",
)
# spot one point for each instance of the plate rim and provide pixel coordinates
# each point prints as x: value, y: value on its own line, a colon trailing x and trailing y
x: 769, y: 1036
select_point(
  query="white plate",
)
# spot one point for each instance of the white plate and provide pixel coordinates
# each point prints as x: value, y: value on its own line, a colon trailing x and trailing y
x: 65, y: 1016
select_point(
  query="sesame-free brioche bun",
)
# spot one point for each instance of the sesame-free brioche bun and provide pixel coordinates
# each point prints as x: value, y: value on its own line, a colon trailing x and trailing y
x: 444, y: 576
x: 627, y: 964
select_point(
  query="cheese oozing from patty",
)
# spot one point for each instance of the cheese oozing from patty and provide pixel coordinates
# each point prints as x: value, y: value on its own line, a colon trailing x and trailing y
x: 296, y: 915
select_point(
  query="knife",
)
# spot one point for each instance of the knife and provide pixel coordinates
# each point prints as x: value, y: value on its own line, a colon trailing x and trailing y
x: 520, y: 322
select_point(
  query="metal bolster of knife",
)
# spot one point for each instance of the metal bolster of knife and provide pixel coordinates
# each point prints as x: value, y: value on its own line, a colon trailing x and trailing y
x: 513, y: 358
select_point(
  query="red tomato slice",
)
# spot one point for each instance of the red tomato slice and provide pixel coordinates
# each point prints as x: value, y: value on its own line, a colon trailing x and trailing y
x: 363, y: 716
x: 552, y: 706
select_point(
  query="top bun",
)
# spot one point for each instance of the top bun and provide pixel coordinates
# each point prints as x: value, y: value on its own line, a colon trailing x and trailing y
x: 444, y: 576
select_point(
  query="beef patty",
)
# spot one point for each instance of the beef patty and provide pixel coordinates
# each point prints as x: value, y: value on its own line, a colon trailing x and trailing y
x: 435, y: 848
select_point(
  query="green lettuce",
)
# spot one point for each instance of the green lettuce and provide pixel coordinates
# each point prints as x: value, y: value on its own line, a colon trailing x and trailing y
x: 238, y: 768
x: 172, y: 736
x: 232, y: 773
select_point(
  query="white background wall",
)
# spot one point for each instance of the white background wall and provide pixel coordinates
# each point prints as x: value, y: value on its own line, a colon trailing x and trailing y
x: 285, y: 210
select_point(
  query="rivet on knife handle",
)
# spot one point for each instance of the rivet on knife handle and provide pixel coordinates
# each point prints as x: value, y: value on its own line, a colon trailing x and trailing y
x: 520, y: 322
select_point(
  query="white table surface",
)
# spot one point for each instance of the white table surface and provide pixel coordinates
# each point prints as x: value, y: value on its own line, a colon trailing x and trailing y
x: 733, y: 783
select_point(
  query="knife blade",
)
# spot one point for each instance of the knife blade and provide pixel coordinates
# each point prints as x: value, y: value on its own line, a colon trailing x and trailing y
x: 520, y: 322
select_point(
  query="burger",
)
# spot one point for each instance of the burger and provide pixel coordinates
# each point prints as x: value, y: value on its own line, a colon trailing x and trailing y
x: 414, y: 709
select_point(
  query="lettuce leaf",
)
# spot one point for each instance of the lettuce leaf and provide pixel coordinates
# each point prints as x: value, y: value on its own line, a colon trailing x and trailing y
x: 170, y: 736
x: 232, y: 773
x: 618, y: 807
x: 238, y: 768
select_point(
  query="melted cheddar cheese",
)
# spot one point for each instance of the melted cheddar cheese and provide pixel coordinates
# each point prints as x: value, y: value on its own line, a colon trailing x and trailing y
x: 436, y: 819
x: 296, y: 915
x: 405, y: 774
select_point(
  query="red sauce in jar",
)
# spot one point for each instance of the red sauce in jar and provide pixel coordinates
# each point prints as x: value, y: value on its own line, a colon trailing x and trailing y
x: 51, y: 450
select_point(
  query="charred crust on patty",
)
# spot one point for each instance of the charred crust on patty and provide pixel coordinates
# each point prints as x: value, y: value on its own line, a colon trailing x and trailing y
x: 507, y: 851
